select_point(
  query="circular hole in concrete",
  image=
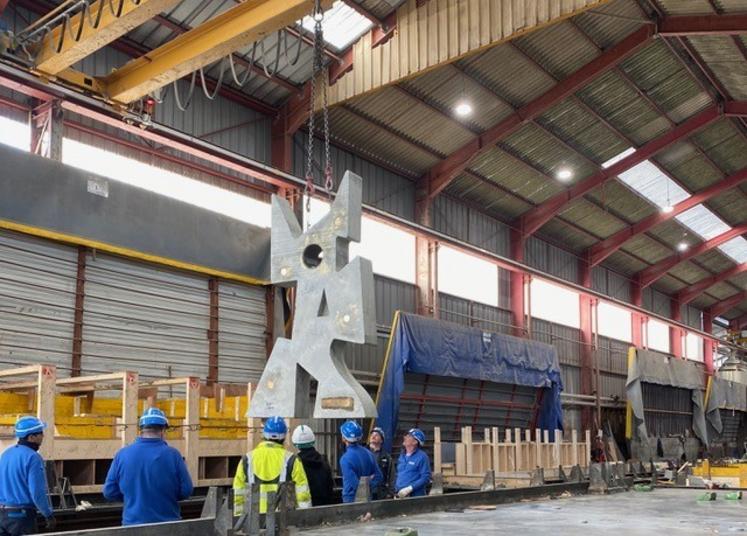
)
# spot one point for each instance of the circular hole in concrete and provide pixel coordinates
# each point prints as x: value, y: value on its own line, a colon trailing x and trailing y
x: 312, y: 256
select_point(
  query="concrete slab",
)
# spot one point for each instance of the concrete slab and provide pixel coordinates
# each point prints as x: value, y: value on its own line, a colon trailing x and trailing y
x: 638, y: 513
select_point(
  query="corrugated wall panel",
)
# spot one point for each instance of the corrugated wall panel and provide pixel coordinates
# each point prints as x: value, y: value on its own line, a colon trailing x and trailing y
x: 468, y: 313
x: 392, y: 295
x: 571, y: 378
x: 382, y: 188
x: 613, y: 356
x: 143, y: 318
x: 551, y: 259
x: 565, y: 339
x: 451, y: 218
x: 488, y: 233
x: 242, y: 326
x: 37, y: 301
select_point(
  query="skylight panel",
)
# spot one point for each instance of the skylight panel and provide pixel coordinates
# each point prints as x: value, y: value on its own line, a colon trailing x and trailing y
x: 342, y: 25
x: 703, y: 222
x: 736, y: 248
x: 646, y: 179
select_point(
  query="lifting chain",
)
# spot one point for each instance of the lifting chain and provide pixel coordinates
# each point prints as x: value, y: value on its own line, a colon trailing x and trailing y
x: 317, y: 69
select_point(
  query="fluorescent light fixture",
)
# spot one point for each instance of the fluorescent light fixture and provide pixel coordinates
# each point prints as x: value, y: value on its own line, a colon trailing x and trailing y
x: 683, y: 246
x: 615, y: 159
x: 667, y: 209
x: 564, y: 174
x: 463, y: 109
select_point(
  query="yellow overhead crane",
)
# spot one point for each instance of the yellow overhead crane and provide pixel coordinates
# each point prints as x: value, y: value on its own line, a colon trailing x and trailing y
x: 246, y: 23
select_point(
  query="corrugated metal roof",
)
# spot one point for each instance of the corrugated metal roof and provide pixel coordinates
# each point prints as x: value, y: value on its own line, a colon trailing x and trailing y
x: 372, y: 139
x: 725, y: 60
x: 575, y: 124
x: 526, y: 81
x: 611, y: 22
x: 414, y: 120
x: 620, y: 104
x: 445, y: 87
x: 560, y: 49
x: 687, y: 7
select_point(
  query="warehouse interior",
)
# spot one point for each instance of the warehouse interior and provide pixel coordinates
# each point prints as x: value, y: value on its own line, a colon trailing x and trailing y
x: 552, y: 195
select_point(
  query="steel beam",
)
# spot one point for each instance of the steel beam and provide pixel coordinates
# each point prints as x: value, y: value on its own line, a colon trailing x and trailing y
x: 22, y: 81
x: 53, y: 58
x: 717, y: 309
x: 690, y: 293
x: 601, y: 250
x: 444, y: 172
x: 653, y: 273
x: 201, y: 46
x: 689, y: 25
x: 535, y: 218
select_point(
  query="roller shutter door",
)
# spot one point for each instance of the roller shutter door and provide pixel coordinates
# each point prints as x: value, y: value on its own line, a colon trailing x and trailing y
x: 37, y: 301
x: 145, y: 318
x: 242, y: 324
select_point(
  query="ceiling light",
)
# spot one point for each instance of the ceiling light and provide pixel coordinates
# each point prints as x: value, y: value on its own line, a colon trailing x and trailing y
x: 463, y: 109
x: 683, y: 246
x: 667, y: 209
x: 564, y: 174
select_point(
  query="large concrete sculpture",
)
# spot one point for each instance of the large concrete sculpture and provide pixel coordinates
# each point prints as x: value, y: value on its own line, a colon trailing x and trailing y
x: 334, y: 306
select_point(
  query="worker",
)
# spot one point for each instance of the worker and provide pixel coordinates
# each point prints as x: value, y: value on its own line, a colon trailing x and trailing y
x: 23, y: 482
x: 357, y: 462
x: 385, y: 463
x: 269, y: 465
x: 149, y: 476
x: 413, y: 466
x: 316, y: 466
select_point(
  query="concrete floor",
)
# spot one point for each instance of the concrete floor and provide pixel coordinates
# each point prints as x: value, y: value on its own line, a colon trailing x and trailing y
x: 637, y: 513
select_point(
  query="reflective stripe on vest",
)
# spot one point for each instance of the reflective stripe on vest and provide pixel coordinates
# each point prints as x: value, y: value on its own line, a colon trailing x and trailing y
x: 285, y: 470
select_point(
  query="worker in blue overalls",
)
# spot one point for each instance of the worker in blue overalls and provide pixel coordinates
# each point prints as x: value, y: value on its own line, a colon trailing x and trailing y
x: 357, y: 462
x: 413, y: 466
x: 149, y: 476
x: 23, y: 481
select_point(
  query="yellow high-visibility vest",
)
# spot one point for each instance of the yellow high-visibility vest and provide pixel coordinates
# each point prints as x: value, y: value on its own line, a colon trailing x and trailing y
x: 268, y: 465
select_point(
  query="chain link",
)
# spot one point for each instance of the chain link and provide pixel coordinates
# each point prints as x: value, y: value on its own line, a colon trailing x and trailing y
x: 318, y: 69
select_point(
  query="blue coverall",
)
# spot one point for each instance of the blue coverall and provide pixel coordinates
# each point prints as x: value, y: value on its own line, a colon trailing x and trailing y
x: 413, y: 470
x: 150, y: 477
x: 23, y: 490
x: 358, y: 462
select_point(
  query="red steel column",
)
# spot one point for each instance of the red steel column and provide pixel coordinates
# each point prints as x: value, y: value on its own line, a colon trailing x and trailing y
x: 639, y: 324
x: 587, y: 304
x: 709, y: 346
x: 675, y: 333
x: 518, y: 281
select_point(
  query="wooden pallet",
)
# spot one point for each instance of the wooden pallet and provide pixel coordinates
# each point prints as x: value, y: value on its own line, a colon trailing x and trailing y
x: 520, y: 450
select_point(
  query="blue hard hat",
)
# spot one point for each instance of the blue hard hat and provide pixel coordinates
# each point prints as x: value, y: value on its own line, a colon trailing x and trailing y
x: 351, y: 431
x: 378, y: 430
x: 275, y: 428
x: 418, y: 434
x: 28, y: 425
x: 153, y: 417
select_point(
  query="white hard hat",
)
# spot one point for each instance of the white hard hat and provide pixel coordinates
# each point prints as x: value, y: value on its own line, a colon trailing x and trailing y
x: 303, y: 437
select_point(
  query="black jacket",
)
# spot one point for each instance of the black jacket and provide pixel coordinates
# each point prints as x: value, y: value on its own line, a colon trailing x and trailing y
x: 386, y: 464
x: 319, y: 475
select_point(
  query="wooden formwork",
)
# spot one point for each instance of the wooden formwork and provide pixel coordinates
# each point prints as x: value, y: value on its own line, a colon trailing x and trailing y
x: 91, y: 417
x: 520, y: 451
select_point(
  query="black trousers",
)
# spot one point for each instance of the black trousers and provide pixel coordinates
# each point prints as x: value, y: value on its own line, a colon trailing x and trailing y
x: 17, y: 522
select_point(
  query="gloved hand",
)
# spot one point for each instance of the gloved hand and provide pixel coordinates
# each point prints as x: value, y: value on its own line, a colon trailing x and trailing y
x: 50, y: 524
x: 404, y: 492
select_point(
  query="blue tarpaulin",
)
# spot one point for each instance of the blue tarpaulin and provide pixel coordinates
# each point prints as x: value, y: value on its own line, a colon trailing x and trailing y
x: 427, y: 346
